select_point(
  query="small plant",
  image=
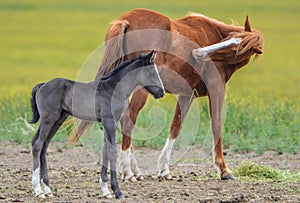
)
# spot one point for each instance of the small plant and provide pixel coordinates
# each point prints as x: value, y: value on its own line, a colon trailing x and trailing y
x: 257, y: 171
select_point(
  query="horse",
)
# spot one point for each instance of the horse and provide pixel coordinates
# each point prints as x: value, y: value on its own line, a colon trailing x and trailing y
x: 102, y: 100
x: 195, y: 54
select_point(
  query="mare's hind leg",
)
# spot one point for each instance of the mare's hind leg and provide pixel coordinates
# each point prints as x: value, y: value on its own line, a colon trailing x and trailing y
x: 43, y: 159
x: 182, y: 107
x: 128, y: 164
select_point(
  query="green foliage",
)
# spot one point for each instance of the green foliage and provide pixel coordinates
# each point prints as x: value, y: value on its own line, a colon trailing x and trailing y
x: 258, y: 172
x: 43, y: 40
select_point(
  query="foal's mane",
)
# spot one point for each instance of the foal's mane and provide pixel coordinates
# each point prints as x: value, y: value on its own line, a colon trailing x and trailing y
x: 122, y: 66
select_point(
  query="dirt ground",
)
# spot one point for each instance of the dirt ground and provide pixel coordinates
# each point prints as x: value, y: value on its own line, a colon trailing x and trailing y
x: 74, y: 176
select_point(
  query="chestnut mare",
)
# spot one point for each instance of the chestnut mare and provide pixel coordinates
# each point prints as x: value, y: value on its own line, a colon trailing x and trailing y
x: 183, y: 68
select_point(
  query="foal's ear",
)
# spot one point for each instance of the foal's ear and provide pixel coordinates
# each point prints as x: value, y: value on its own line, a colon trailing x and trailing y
x: 247, y: 25
x: 151, y: 56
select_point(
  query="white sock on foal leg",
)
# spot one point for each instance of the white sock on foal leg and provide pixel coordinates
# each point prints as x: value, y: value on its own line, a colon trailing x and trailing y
x: 46, y: 190
x: 36, y: 186
x: 104, y: 189
x: 164, y: 158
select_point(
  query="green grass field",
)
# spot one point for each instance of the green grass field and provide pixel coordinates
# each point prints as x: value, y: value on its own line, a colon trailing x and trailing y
x: 42, y: 40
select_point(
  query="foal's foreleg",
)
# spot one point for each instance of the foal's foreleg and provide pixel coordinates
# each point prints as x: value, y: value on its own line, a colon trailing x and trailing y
x: 128, y: 163
x: 182, y: 107
x: 103, y: 177
x: 110, y: 135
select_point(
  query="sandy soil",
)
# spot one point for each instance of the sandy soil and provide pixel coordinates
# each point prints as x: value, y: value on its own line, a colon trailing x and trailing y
x: 74, y: 177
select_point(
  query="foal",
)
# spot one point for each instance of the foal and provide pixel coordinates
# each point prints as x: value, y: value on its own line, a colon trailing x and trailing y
x: 102, y: 100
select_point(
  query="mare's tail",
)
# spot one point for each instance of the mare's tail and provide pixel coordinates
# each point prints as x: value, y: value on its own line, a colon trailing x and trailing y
x: 34, y: 108
x: 113, y: 56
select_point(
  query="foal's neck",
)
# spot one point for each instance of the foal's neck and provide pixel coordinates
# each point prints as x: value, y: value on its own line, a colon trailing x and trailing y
x: 123, y: 82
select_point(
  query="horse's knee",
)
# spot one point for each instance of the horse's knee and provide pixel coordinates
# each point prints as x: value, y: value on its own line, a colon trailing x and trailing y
x: 36, y: 148
x: 113, y: 152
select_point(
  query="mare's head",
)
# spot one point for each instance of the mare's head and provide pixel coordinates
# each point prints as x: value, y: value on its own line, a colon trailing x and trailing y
x: 148, y: 76
x: 251, y: 44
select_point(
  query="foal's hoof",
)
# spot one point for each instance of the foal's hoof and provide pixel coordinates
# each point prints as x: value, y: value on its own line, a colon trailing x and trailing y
x: 107, y: 196
x: 228, y: 177
x: 49, y: 195
x: 41, y: 196
x: 120, y: 197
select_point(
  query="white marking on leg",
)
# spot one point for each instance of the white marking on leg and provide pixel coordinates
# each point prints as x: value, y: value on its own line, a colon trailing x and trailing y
x: 104, y: 189
x: 46, y: 190
x: 164, y: 158
x: 134, y: 166
x: 36, y: 186
x: 125, y: 163
x: 201, y: 53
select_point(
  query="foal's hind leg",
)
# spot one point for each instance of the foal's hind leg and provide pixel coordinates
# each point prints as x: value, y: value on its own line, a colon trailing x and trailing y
x: 36, y: 150
x: 44, y: 171
x: 37, y: 146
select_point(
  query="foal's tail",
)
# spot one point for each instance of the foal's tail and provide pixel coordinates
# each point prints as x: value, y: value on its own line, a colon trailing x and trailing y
x: 34, y: 108
x: 113, y: 56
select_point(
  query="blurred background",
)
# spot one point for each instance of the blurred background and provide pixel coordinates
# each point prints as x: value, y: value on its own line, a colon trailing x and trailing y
x: 40, y: 40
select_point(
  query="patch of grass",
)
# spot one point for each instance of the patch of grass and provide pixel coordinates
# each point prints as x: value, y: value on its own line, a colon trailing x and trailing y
x: 255, y: 171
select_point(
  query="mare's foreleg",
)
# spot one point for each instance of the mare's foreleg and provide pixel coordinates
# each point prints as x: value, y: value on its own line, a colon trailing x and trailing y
x: 43, y: 158
x: 128, y: 163
x: 216, y: 93
x: 182, y: 107
x: 216, y: 103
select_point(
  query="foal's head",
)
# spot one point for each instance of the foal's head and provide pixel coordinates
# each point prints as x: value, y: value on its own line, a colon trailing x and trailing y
x: 148, y: 77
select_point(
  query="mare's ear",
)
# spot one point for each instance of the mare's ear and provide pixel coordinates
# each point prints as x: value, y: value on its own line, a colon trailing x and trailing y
x: 247, y: 25
x: 151, y: 56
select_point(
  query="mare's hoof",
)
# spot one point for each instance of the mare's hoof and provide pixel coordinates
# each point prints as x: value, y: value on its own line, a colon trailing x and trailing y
x: 166, y: 177
x: 228, y: 177
x: 140, y: 178
x: 132, y: 179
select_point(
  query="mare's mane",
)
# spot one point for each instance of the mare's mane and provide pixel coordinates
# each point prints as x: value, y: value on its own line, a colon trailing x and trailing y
x: 122, y: 66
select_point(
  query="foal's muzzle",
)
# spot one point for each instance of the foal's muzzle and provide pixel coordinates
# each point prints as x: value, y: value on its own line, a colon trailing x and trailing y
x: 160, y: 94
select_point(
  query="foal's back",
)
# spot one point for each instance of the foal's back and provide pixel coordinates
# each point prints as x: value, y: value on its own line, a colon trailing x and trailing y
x: 62, y: 95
